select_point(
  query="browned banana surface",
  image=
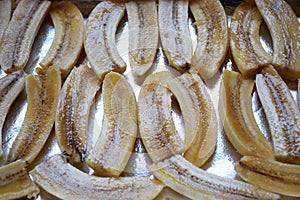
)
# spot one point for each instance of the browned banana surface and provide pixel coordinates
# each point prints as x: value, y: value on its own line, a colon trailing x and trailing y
x: 42, y: 95
x: 5, y: 11
x: 15, y: 182
x: 20, y: 34
x: 72, y: 115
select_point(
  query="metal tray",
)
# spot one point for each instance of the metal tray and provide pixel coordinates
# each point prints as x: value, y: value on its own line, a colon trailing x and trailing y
x: 223, y: 160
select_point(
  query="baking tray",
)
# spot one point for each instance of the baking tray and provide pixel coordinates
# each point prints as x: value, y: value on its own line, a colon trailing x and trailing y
x: 223, y: 160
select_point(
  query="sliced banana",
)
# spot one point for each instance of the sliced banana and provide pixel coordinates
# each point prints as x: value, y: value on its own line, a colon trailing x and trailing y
x: 199, y: 116
x: 284, y: 28
x: 15, y: 182
x: 66, y: 182
x: 99, y: 38
x: 143, y: 34
x: 72, y: 115
x: 5, y: 12
x: 156, y: 125
x: 246, y: 48
x: 193, y: 182
x: 68, y: 40
x: 174, y: 32
x: 20, y: 34
x: 119, y: 128
x: 282, y: 113
x: 212, y: 30
x: 270, y: 175
x: 235, y: 108
x: 42, y: 95
x: 10, y: 87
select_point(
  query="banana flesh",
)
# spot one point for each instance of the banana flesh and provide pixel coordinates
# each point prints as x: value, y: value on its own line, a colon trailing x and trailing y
x: 236, y: 114
x: 72, y: 115
x: 5, y: 10
x: 199, y: 117
x: 10, y: 87
x: 143, y: 34
x: 174, y: 32
x: 20, y: 34
x: 15, y: 182
x: 270, y: 175
x: 282, y: 115
x: 246, y: 48
x: 99, y: 38
x: 212, y: 30
x: 284, y: 28
x: 156, y: 125
x: 193, y: 182
x: 66, y: 182
x: 119, y: 128
x: 68, y: 40
x: 42, y: 94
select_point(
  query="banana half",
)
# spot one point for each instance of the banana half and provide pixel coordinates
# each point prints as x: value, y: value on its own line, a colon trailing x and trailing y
x: 270, y: 175
x: 119, y: 128
x: 212, y: 30
x: 20, y: 34
x: 68, y: 39
x: 64, y: 181
x: 195, y: 183
x: 199, y: 116
x: 235, y: 108
x: 156, y: 125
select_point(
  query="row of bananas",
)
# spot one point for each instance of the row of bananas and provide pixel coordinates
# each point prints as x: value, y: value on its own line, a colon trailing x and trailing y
x: 60, y: 95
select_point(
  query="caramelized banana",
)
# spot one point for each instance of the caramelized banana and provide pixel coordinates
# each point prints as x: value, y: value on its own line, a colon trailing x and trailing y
x: 270, y: 175
x: 282, y: 114
x: 284, y: 28
x: 72, y: 115
x: 15, y: 182
x: 237, y: 117
x: 20, y: 34
x: 5, y: 10
x: 174, y: 32
x: 10, y: 87
x: 212, y: 30
x: 156, y: 125
x: 99, y: 40
x: 193, y: 182
x: 246, y: 48
x: 119, y: 129
x: 42, y: 94
x: 68, y: 40
x: 143, y: 34
x: 200, y: 118
x: 66, y: 182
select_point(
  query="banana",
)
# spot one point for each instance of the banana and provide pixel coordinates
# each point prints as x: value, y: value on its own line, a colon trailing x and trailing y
x: 193, y: 182
x: 20, y: 34
x: 174, y: 32
x: 5, y: 10
x: 246, y: 48
x: 199, y: 116
x: 15, y: 182
x: 72, y: 115
x: 119, y: 129
x: 66, y: 182
x: 42, y: 95
x: 212, y: 30
x: 143, y: 34
x: 270, y: 175
x: 99, y: 38
x: 169, y: 194
x: 284, y: 28
x: 282, y: 115
x: 68, y: 40
x: 235, y: 108
x: 10, y: 87
x: 156, y: 126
